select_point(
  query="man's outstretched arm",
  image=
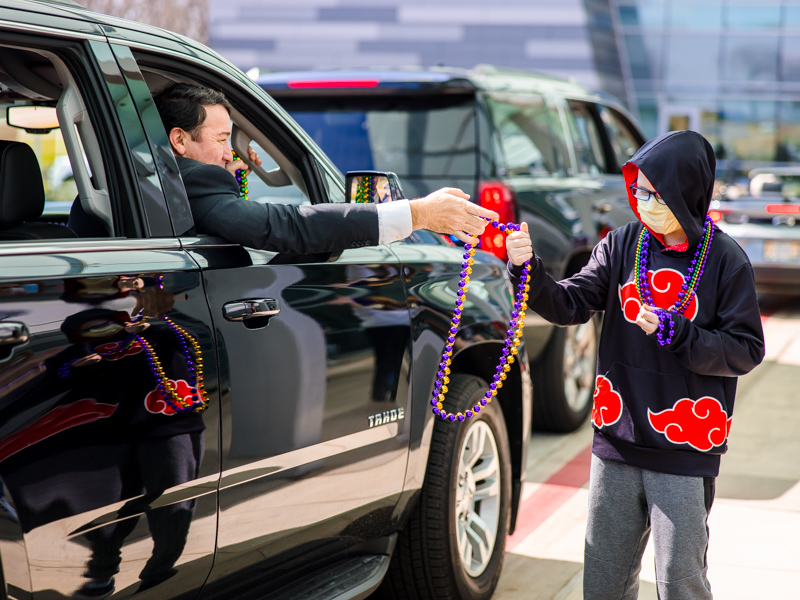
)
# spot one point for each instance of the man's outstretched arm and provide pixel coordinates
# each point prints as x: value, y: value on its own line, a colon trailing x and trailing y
x: 218, y: 210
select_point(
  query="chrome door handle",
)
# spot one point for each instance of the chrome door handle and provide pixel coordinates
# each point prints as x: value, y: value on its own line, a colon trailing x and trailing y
x: 13, y: 333
x: 249, y: 309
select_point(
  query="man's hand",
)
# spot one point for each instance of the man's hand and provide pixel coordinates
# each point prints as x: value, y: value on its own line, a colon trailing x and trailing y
x: 647, y: 319
x: 238, y: 164
x: 449, y: 211
x: 518, y: 245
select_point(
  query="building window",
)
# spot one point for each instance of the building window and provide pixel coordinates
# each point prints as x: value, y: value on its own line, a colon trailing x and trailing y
x: 753, y: 17
x: 751, y: 58
x: 644, y: 55
x: 647, y: 15
x: 748, y: 129
x: 692, y: 58
x: 695, y: 15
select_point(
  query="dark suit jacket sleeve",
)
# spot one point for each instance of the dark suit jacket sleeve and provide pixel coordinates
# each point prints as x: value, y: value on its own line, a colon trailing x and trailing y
x: 218, y: 210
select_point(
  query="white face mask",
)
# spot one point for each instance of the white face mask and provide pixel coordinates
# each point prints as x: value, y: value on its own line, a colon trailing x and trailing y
x: 658, y: 217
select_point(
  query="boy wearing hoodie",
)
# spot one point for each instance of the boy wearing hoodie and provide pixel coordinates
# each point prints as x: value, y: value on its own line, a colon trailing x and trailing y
x: 681, y: 324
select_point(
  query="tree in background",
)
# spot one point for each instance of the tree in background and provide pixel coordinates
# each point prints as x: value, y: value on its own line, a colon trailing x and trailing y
x: 187, y: 17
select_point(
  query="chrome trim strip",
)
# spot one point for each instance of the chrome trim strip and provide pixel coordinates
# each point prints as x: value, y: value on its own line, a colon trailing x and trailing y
x: 69, y: 246
x: 54, y: 31
x: 205, y: 242
x: 186, y: 55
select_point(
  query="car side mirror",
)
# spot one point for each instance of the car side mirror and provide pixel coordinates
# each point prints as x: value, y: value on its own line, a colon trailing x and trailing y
x: 372, y: 186
x: 33, y: 119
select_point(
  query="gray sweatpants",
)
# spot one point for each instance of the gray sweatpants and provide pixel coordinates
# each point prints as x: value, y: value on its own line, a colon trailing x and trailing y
x: 625, y: 504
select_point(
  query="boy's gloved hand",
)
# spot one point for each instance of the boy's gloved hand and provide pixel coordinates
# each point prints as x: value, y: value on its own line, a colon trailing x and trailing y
x: 647, y: 319
x: 518, y: 245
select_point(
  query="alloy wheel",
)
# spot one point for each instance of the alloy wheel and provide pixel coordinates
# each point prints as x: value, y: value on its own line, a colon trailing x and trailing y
x: 580, y: 354
x: 477, y: 498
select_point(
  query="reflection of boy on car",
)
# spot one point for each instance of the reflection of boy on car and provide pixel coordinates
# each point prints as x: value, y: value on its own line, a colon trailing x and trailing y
x: 110, y: 437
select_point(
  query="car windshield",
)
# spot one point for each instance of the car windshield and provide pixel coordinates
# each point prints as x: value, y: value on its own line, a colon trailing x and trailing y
x: 413, y: 137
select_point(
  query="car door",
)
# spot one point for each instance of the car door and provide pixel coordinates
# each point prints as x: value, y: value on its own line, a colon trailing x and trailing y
x: 622, y: 139
x: 601, y: 148
x: 534, y: 159
x: 314, y: 364
x: 112, y: 491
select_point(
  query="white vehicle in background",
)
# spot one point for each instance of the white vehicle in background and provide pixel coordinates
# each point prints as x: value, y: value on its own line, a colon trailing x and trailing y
x: 764, y: 218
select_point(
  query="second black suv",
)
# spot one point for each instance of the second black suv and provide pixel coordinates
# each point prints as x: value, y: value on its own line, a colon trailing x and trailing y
x: 532, y: 147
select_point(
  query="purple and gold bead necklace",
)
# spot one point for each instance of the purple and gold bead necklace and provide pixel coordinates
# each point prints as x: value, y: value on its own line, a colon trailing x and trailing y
x: 365, y: 191
x: 690, y: 281
x: 198, y: 401
x: 241, y: 179
x: 513, y: 335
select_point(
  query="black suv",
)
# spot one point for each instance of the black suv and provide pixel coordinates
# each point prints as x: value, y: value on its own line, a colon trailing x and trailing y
x: 182, y: 417
x: 532, y: 147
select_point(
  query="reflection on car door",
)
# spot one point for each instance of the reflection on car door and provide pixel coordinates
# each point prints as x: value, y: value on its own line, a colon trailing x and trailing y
x: 113, y: 490
x: 88, y: 447
x: 314, y: 403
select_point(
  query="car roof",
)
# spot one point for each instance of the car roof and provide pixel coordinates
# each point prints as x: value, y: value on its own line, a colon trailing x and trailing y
x: 483, y: 77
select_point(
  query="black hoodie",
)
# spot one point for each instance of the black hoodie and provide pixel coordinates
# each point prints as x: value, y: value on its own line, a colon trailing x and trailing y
x: 663, y: 408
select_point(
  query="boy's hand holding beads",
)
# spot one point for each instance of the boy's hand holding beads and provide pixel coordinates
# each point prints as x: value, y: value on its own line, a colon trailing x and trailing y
x: 518, y: 246
x: 647, y: 319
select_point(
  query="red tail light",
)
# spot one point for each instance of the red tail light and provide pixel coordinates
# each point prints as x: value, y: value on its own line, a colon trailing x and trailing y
x: 715, y: 215
x: 498, y: 197
x: 333, y: 83
x: 783, y: 209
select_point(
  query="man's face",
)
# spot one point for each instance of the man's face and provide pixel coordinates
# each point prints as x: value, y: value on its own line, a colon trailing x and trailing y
x: 211, y: 146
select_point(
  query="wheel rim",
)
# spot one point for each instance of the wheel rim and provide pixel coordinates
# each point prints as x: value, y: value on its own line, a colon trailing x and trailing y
x: 580, y: 350
x: 478, y: 488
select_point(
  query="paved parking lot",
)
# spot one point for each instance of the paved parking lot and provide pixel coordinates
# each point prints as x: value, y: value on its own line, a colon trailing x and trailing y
x: 754, y: 551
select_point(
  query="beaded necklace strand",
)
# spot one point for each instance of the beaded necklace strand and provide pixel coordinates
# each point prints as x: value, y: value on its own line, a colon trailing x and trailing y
x: 193, y: 357
x: 241, y: 178
x: 690, y: 281
x: 199, y: 397
x: 513, y: 335
x: 365, y: 191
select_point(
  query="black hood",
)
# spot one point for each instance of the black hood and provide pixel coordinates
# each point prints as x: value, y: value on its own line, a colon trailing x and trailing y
x: 681, y: 166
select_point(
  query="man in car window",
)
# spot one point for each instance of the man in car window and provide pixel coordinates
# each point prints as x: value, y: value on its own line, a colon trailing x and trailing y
x: 198, y: 124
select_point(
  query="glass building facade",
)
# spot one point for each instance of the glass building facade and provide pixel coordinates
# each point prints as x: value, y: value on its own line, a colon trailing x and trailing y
x: 566, y: 38
x: 729, y: 69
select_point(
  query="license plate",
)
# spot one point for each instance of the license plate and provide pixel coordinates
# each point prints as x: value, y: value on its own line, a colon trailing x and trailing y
x: 780, y: 251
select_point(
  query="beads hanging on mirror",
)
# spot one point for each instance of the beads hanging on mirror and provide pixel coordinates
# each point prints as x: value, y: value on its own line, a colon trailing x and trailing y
x: 513, y: 335
x: 241, y: 179
x: 365, y: 192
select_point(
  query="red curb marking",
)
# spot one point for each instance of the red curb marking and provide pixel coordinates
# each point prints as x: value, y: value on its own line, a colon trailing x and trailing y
x: 551, y: 495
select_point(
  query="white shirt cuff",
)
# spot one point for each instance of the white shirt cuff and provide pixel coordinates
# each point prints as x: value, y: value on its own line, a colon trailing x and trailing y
x: 394, y: 221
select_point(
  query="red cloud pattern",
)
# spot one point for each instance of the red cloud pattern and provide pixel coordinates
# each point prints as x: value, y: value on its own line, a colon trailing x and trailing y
x: 607, y: 404
x: 703, y: 423
x: 664, y: 285
x: 155, y: 403
x: 55, y: 421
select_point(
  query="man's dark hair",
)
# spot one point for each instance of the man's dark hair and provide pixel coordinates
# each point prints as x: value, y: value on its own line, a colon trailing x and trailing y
x: 182, y: 105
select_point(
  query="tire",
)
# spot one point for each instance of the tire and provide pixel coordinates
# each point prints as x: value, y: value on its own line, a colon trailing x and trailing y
x: 427, y: 562
x: 563, y: 378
